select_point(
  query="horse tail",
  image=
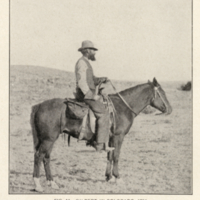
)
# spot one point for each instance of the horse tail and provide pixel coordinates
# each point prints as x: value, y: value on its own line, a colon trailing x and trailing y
x: 33, y: 126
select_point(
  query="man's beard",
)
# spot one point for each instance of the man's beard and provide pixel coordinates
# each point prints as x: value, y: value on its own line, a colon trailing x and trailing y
x: 92, y: 57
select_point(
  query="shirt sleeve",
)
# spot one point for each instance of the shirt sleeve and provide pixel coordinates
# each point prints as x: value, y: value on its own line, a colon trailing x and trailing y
x: 82, y: 76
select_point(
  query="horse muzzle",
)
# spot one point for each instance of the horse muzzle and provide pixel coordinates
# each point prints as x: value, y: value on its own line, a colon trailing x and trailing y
x: 166, y: 111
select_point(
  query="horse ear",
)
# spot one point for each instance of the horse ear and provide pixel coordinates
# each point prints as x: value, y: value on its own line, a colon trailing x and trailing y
x: 149, y: 81
x: 155, y: 82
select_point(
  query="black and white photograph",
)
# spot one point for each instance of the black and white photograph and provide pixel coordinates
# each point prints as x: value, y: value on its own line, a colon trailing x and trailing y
x: 101, y: 98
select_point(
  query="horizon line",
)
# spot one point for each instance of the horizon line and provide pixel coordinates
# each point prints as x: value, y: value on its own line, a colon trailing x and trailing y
x: 128, y: 80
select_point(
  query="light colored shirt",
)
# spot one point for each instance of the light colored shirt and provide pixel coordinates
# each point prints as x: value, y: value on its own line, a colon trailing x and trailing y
x: 81, y: 76
x: 85, y: 79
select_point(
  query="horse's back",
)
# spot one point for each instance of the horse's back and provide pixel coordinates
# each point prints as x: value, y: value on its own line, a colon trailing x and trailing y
x: 50, y: 107
x: 52, y: 103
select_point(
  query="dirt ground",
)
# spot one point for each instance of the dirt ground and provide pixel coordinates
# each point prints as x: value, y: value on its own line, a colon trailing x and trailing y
x: 156, y: 155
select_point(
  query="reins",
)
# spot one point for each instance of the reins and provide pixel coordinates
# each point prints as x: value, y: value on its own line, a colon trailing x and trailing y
x: 156, y: 89
x: 122, y: 99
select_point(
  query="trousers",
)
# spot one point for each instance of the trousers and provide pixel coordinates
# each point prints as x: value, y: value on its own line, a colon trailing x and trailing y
x: 102, y: 119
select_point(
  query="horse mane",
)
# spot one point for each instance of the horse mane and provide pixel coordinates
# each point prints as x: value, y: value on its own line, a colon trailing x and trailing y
x: 134, y: 88
x: 129, y: 91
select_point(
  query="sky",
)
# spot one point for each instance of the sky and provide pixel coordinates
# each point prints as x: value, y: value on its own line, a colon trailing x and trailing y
x: 137, y: 39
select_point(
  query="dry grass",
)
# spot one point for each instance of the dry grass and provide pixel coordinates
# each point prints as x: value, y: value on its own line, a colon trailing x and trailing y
x: 156, y: 156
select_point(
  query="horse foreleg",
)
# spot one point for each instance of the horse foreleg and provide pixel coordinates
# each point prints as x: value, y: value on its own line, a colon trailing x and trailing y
x: 115, y: 164
x: 117, y: 144
x: 108, y: 173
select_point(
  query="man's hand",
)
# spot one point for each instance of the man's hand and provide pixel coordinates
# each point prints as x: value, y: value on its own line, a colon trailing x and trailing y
x: 96, y: 97
x: 105, y: 80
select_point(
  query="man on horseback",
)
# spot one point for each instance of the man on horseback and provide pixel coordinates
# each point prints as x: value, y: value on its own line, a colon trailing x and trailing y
x: 86, y: 84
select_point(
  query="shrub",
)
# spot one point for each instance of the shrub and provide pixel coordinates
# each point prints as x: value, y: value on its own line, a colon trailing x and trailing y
x: 187, y: 86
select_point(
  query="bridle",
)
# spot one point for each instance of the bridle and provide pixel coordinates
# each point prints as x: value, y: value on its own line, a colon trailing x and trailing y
x: 157, y: 92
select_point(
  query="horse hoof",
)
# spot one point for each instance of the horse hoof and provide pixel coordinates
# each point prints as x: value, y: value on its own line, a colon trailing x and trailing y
x: 39, y: 189
x: 53, y: 185
x: 111, y: 180
x: 49, y: 183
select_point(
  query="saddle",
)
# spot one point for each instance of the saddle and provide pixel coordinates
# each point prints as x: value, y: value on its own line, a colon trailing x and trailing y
x: 80, y: 111
x: 75, y: 109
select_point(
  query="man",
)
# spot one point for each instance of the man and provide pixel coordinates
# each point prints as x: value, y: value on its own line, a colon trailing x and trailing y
x: 86, y: 84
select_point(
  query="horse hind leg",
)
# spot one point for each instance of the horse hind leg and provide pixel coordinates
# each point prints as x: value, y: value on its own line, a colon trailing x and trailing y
x: 40, y: 153
x: 46, y: 162
x: 38, y: 157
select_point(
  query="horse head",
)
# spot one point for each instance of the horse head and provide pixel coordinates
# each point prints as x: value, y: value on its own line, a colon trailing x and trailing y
x: 160, y: 100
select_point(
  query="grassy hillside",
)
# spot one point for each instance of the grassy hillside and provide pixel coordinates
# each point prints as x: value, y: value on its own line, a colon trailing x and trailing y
x: 156, y: 155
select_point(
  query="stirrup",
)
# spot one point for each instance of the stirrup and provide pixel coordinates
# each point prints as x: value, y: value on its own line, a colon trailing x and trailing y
x: 107, y: 148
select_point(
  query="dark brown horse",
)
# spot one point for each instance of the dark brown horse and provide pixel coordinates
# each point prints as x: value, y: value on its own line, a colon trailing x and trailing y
x: 48, y: 121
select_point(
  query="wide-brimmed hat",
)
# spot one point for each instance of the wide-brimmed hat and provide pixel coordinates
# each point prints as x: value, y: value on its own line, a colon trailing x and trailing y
x: 87, y: 45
